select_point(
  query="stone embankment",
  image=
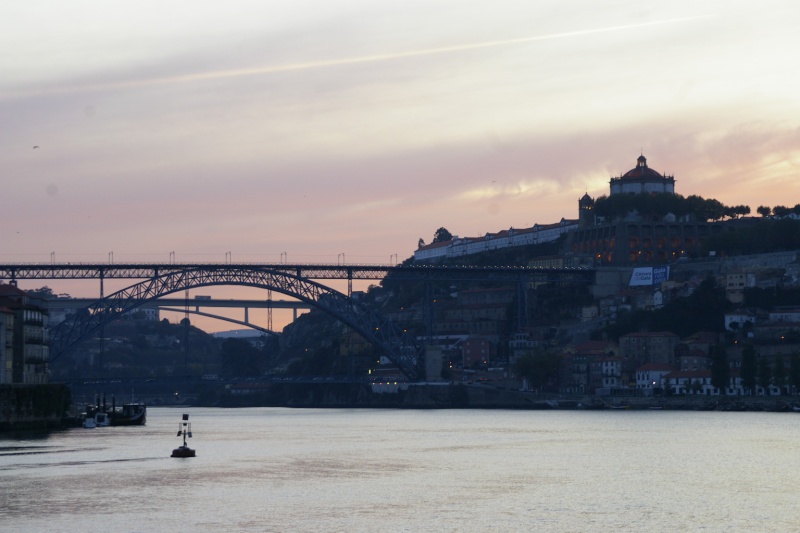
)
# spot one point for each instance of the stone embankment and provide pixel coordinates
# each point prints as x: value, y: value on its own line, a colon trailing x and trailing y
x: 461, y: 396
x: 482, y: 397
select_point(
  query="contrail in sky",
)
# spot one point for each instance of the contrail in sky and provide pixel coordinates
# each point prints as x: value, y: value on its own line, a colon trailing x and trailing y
x: 254, y: 71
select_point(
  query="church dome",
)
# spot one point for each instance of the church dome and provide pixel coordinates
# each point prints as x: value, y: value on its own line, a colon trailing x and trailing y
x: 641, y: 171
x: 642, y: 179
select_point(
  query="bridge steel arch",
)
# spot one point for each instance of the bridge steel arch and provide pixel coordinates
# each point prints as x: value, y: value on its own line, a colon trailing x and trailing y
x: 219, y: 317
x: 400, y: 347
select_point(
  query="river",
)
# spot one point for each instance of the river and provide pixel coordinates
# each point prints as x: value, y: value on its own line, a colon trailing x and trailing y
x: 315, y: 470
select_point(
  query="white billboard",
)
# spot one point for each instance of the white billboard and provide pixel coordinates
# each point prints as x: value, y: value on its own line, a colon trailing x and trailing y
x: 645, y: 276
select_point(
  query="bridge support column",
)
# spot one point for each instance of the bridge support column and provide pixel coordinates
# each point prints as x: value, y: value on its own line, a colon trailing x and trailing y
x: 269, y: 310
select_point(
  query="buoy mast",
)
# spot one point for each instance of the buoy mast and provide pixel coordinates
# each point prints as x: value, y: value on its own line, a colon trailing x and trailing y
x: 185, y: 428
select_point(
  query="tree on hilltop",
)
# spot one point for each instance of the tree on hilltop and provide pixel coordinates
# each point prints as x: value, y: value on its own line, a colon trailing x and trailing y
x: 781, y: 211
x: 659, y: 205
x: 442, y: 235
x: 46, y: 293
x: 736, y: 211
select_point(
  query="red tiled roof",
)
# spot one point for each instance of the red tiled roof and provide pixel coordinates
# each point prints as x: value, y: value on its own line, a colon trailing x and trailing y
x: 500, y: 234
x: 10, y: 290
x: 433, y: 245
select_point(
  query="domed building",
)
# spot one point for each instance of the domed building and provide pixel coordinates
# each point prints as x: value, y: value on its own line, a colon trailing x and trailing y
x: 642, y: 179
x: 636, y: 240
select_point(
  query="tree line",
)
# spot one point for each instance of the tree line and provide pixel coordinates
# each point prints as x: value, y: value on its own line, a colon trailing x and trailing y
x: 660, y: 205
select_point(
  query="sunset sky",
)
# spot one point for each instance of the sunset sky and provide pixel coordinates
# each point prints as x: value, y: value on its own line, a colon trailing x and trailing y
x: 315, y: 128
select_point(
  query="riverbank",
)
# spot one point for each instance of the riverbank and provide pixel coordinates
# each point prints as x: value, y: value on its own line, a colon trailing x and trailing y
x: 460, y: 396
x: 433, y: 396
x: 33, y: 407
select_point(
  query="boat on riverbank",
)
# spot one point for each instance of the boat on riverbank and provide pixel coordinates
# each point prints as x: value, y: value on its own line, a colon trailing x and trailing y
x: 97, y: 420
x: 129, y: 414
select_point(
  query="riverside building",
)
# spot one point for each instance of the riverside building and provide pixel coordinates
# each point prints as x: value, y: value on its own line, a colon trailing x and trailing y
x: 24, y: 340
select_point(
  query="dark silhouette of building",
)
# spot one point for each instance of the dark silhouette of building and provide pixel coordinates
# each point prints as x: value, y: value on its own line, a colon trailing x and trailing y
x: 636, y: 239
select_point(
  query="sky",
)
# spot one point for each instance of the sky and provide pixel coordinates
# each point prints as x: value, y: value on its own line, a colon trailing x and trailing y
x: 321, y: 131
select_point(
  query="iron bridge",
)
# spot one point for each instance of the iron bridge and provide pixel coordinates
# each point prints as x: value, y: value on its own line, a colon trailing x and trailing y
x: 294, y: 280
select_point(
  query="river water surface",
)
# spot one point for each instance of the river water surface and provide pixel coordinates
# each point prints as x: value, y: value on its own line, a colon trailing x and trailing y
x: 304, y: 470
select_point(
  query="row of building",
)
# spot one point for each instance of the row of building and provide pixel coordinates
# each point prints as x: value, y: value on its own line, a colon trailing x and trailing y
x: 476, y: 330
x: 24, y: 338
x: 646, y: 363
x: 463, y: 246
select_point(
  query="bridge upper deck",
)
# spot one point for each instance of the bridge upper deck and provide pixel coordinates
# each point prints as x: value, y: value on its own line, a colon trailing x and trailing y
x: 18, y: 271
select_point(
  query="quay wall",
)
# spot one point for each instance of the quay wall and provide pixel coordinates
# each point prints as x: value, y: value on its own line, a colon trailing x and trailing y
x: 31, y: 407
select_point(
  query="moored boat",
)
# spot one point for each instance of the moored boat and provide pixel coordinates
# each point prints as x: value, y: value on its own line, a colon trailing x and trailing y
x: 97, y: 419
x: 130, y: 414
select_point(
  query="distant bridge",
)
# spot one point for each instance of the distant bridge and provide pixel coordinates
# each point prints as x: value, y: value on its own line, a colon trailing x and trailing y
x: 232, y: 303
x: 193, y: 306
x: 296, y: 281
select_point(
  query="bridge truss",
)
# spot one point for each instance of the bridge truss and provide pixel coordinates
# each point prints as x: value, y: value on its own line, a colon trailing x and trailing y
x: 400, y: 348
x: 294, y: 280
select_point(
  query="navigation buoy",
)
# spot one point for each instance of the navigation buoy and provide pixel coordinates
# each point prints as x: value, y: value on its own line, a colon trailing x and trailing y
x: 185, y: 429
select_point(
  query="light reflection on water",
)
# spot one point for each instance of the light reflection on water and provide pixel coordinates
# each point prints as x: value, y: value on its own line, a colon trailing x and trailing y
x: 371, y: 470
